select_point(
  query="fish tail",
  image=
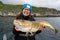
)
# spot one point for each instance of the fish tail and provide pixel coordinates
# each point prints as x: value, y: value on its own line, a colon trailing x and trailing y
x: 56, y: 31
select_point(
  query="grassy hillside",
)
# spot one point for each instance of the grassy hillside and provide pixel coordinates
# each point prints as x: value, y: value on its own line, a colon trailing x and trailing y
x: 17, y: 8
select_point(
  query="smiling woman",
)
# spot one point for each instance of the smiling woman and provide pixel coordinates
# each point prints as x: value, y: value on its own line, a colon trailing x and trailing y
x: 25, y: 15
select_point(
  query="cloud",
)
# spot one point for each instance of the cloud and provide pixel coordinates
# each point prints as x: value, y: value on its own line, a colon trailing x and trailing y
x: 38, y: 3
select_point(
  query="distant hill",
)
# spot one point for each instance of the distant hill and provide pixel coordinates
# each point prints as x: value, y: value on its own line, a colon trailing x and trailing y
x: 1, y: 2
x: 18, y: 8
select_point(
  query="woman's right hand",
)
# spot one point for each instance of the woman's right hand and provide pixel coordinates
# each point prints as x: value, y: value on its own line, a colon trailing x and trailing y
x: 17, y: 29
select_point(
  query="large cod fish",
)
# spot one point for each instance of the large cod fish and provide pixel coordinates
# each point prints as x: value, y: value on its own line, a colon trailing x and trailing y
x: 30, y: 27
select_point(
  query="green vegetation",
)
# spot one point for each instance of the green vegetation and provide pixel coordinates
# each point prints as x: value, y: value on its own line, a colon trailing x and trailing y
x: 18, y: 8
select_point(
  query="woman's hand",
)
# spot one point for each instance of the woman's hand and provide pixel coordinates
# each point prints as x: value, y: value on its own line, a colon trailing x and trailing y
x: 41, y: 27
x: 17, y: 29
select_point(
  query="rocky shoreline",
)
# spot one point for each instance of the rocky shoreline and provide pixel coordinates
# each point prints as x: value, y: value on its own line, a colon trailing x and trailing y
x: 10, y: 14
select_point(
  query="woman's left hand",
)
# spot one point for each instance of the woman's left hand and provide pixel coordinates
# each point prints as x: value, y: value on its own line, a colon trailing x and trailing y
x: 41, y: 27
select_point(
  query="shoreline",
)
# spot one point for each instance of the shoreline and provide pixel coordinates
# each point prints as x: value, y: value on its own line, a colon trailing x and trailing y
x: 33, y: 16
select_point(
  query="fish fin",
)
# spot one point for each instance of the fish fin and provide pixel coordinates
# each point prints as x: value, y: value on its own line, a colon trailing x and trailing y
x: 44, y: 27
x: 31, y: 33
x: 27, y: 33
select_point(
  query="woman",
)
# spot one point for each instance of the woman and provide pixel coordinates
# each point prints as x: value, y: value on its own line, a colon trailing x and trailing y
x: 25, y: 15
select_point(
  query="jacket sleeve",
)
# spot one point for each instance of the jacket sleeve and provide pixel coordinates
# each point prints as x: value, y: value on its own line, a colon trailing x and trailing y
x: 14, y: 31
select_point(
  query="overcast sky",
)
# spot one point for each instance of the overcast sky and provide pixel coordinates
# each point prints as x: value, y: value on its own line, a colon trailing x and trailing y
x: 39, y: 3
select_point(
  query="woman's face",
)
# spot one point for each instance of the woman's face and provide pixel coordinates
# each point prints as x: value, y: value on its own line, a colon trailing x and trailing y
x: 26, y: 12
